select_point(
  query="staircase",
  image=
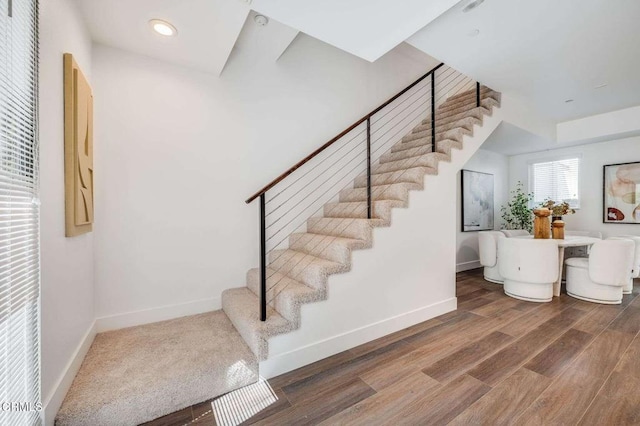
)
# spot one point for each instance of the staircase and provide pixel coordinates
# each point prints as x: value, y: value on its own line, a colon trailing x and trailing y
x: 298, y: 273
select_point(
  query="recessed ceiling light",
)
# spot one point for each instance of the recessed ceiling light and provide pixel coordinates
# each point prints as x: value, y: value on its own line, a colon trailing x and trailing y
x: 261, y: 20
x: 163, y: 27
x: 600, y: 86
x: 473, y: 33
x: 568, y: 101
x: 472, y: 5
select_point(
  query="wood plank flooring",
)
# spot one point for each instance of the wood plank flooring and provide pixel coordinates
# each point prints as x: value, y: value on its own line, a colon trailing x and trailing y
x: 494, y: 361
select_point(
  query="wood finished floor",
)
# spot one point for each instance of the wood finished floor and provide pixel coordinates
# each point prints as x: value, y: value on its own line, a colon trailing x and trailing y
x: 494, y: 361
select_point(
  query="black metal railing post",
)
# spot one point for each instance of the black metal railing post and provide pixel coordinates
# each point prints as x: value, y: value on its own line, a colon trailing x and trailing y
x: 477, y: 93
x: 433, y: 111
x: 263, y: 260
x: 368, y: 167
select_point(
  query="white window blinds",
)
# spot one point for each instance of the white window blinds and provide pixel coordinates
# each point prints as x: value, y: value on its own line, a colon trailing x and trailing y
x: 19, y: 213
x: 556, y: 180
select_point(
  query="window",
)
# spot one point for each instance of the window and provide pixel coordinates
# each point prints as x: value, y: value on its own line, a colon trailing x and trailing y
x: 19, y: 215
x: 557, y: 180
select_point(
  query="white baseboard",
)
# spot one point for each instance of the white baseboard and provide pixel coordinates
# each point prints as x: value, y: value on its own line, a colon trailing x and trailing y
x: 147, y: 316
x: 54, y: 400
x: 465, y: 266
x: 283, y: 363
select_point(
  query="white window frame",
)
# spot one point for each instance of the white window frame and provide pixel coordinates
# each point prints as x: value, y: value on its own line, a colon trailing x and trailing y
x: 531, y: 185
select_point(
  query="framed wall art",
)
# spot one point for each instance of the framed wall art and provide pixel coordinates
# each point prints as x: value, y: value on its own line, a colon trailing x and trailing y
x: 621, y: 193
x: 477, y: 201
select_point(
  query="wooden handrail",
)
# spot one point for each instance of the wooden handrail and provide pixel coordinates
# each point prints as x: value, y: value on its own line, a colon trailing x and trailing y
x: 335, y: 139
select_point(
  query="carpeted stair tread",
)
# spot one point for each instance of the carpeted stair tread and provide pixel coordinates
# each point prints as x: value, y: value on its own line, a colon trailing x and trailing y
x: 455, y: 133
x: 411, y: 175
x: 285, y: 294
x: 471, y: 94
x: 304, y: 267
x: 242, y: 307
x: 404, y: 146
x: 343, y: 227
x: 393, y: 191
x: 381, y: 209
x: 489, y: 101
x: 429, y: 160
x: 138, y: 374
x: 466, y: 123
x: 337, y: 249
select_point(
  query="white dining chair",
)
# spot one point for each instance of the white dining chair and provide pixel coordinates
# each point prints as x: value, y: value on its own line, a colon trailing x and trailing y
x: 509, y: 233
x: 635, y: 271
x: 488, y: 247
x: 601, y: 277
x: 592, y: 234
x: 529, y: 267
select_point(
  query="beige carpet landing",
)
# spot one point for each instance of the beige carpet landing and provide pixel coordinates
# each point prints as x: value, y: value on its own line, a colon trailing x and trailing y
x: 137, y: 374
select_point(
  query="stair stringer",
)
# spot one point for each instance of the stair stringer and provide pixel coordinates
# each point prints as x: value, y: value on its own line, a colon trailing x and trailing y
x: 406, y: 278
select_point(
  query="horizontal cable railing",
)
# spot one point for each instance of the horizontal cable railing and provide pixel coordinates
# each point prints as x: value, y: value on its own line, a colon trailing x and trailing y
x: 304, y: 191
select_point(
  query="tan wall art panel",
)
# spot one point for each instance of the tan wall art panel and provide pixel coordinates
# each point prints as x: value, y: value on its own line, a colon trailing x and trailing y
x: 78, y: 149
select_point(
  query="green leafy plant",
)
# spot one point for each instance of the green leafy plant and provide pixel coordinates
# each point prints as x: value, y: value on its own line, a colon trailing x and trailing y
x: 517, y: 214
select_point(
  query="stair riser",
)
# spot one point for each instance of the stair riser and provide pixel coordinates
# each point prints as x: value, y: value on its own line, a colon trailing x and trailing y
x: 405, y: 146
x: 488, y: 101
x: 322, y: 246
x: 415, y: 175
x: 466, y: 123
x: 456, y: 134
x: 470, y: 95
x: 391, y: 192
x: 348, y: 228
x: 395, y: 156
x: 380, y: 210
x: 428, y: 160
x: 456, y: 116
x: 302, y: 269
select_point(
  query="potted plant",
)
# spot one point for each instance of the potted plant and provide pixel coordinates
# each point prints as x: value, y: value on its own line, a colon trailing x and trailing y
x: 517, y: 214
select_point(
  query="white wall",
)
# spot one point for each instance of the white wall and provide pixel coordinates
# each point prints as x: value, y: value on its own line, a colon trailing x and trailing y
x: 67, y: 263
x: 467, y: 255
x: 593, y: 157
x: 177, y: 152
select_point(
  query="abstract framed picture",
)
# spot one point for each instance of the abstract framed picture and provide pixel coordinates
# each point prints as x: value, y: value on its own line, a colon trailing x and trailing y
x: 477, y: 201
x: 621, y: 193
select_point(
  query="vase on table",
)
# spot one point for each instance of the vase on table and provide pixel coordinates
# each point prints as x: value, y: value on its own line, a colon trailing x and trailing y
x: 557, y: 229
x: 541, y: 224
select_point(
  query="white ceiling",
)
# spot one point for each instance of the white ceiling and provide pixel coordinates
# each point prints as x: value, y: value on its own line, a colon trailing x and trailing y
x: 546, y: 51
x: 365, y: 28
x: 207, y: 29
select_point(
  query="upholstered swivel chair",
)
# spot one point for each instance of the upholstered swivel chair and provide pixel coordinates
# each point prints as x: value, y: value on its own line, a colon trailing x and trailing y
x: 601, y: 277
x: 488, y: 247
x: 515, y: 232
x: 635, y: 271
x: 529, y: 267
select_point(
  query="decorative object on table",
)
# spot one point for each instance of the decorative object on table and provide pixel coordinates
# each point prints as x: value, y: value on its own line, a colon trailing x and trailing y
x: 541, y: 224
x: 517, y: 213
x: 477, y: 201
x: 621, y: 197
x: 78, y: 150
x: 557, y: 229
